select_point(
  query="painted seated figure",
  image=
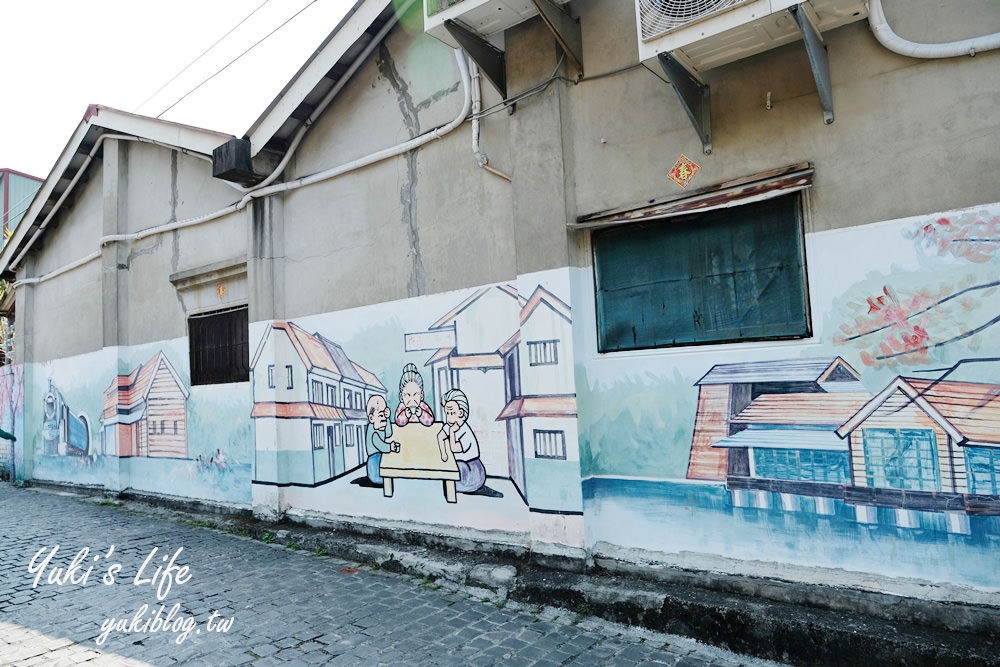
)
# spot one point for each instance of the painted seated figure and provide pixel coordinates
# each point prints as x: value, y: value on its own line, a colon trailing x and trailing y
x: 456, y: 436
x: 379, y: 440
x: 412, y: 408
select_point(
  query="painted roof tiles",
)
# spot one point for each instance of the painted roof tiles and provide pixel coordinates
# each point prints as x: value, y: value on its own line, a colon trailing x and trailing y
x: 967, y: 411
x: 802, y: 409
x: 780, y: 370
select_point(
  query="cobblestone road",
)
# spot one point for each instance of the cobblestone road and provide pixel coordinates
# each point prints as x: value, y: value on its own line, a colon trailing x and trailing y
x: 287, y: 607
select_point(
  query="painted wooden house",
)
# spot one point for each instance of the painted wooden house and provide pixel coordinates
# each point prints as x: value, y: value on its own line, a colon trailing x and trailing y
x: 310, y: 397
x: 927, y: 444
x: 145, y: 412
x: 791, y: 442
x: 728, y: 389
x: 540, y: 413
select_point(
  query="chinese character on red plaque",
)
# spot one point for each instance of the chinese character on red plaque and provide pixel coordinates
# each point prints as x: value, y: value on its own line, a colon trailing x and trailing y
x: 683, y: 171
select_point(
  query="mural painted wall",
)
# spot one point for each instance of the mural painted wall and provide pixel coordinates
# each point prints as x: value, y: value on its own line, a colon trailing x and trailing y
x: 127, y: 418
x: 12, y: 421
x: 873, y: 446
x: 455, y: 409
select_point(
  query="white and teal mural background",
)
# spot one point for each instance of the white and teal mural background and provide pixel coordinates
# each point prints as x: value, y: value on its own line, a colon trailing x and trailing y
x: 915, y: 298
x: 74, y: 409
x: 615, y: 453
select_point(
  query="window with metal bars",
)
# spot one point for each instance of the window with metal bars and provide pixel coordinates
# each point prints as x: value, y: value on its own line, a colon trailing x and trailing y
x: 219, y: 344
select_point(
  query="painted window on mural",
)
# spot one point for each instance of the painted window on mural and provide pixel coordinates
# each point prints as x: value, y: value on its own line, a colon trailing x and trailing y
x: 550, y: 444
x: 809, y: 465
x: 270, y: 376
x: 331, y: 395
x: 219, y: 346
x: 984, y: 470
x: 901, y: 459
x: 317, y: 391
x: 347, y: 398
x: 543, y: 352
x: 735, y: 274
x: 318, y: 440
x: 288, y: 372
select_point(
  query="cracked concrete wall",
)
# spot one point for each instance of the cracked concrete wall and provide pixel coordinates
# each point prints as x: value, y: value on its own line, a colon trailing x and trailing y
x: 154, y: 186
x: 164, y: 186
x: 64, y: 316
x: 910, y: 136
x: 425, y: 222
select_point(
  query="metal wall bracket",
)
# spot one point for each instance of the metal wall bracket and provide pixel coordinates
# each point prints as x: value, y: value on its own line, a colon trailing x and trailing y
x: 818, y: 61
x: 491, y: 60
x: 565, y: 29
x: 695, y: 97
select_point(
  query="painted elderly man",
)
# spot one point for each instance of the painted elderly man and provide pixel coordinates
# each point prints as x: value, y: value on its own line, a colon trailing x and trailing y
x: 379, y: 437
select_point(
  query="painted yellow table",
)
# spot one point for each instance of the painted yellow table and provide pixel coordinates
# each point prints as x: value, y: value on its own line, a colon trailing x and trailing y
x: 419, y: 457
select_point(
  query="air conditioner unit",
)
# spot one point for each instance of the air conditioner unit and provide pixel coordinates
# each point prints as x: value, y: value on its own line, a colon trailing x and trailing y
x: 487, y: 18
x: 702, y: 34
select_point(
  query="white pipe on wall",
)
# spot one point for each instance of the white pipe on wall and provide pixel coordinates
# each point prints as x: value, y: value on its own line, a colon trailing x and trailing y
x: 890, y: 40
x: 328, y: 98
x: 79, y: 174
x: 304, y: 181
x: 477, y: 105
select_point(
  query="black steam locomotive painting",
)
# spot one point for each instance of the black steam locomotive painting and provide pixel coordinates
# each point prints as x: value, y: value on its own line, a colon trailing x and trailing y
x: 63, y: 433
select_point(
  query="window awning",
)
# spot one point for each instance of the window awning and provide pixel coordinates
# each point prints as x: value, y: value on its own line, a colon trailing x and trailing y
x: 785, y: 439
x: 746, y: 190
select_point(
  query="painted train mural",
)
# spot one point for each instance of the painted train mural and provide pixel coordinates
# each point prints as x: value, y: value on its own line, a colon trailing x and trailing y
x: 63, y: 432
x: 872, y: 447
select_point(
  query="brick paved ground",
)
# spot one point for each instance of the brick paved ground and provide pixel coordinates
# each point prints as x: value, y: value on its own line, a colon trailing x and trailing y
x: 289, y: 607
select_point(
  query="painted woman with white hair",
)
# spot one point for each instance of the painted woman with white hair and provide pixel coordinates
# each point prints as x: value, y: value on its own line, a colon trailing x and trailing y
x: 456, y: 436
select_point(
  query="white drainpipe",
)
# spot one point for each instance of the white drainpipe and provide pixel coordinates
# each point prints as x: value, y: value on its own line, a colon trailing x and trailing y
x: 260, y: 190
x: 890, y: 40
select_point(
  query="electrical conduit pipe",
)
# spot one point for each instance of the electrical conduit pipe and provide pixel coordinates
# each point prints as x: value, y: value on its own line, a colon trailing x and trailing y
x: 890, y: 40
x: 326, y: 174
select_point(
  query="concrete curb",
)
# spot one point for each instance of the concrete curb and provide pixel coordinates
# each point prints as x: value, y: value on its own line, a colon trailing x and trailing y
x: 803, y: 624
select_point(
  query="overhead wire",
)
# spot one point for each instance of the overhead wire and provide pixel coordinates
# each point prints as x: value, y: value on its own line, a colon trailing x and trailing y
x: 248, y: 49
x: 201, y: 55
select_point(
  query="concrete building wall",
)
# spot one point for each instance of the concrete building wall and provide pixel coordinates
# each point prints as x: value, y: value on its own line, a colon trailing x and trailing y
x: 63, y: 317
x: 370, y: 256
x: 422, y: 223
x: 157, y: 187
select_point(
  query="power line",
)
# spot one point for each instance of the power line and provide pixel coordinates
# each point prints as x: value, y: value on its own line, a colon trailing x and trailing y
x: 201, y: 55
x: 226, y: 66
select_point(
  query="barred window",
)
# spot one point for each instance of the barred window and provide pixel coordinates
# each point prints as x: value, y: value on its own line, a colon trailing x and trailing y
x: 543, y: 352
x: 550, y: 444
x: 219, y: 345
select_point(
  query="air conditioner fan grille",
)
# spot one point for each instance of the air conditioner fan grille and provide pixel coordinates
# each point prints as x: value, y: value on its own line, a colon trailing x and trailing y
x: 660, y: 16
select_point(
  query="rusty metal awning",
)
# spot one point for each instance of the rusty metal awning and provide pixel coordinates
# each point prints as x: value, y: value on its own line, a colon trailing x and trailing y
x: 746, y: 190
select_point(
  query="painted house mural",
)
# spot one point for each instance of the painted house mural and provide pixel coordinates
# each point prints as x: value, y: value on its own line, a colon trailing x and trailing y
x: 309, y: 397
x: 745, y: 408
x: 468, y: 343
x: 929, y: 445
x: 880, y: 433
x: 540, y: 413
x: 145, y: 412
x: 525, y: 383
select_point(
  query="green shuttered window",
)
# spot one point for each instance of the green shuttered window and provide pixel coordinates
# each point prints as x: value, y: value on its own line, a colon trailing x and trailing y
x: 735, y: 274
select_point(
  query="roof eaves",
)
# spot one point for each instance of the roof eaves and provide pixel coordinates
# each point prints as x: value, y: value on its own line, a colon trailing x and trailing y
x: 354, y: 24
x: 97, y: 121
